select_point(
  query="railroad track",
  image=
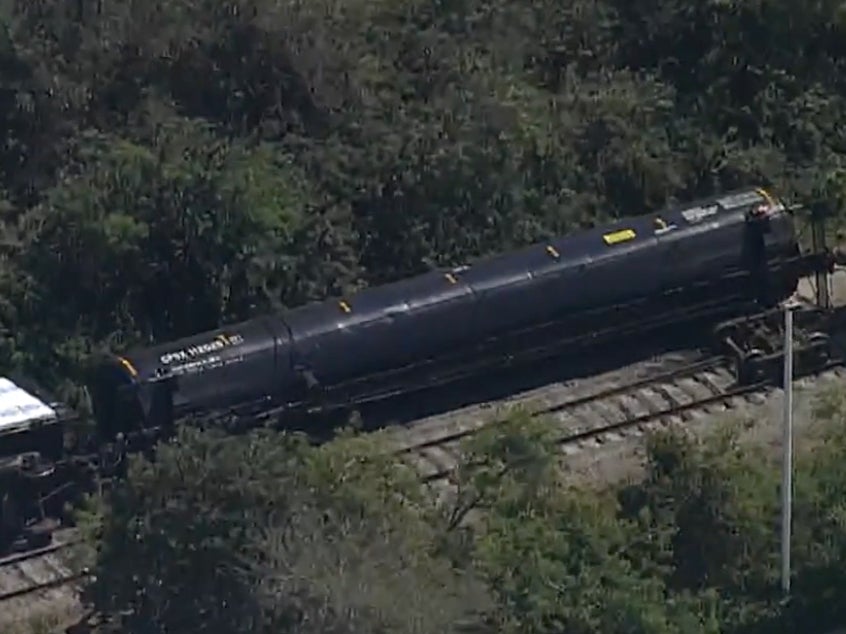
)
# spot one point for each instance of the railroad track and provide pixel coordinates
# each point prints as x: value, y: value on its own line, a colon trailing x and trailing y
x: 606, y: 414
x: 39, y: 581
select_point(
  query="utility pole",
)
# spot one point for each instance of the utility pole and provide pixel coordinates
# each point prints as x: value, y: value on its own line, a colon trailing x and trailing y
x: 787, y: 450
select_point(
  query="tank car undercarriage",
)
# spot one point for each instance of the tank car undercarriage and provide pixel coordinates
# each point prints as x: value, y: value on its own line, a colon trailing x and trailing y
x: 755, y: 344
x: 34, y: 490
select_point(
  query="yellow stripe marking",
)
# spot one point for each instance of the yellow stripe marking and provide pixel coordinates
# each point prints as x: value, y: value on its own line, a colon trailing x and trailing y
x: 344, y: 306
x: 553, y: 251
x: 451, y: 278
x: 770, y: 200
x: 129, y: 367
x: 616, y: 237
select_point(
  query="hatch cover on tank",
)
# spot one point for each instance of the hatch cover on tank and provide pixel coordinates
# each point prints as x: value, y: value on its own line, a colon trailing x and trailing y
x: 19, y: 406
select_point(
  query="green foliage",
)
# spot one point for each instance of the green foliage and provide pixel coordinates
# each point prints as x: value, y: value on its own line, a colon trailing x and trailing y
x: 556, y: 566
x: 706, y: 515
x: 820, y: 531
x: 181, y: 527
x: 267, y: 534
x: 559, y: 559
x: 718, y: 497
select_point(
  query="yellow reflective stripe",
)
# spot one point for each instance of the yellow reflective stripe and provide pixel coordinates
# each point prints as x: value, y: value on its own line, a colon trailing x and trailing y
x: 619, y: 236
x: 344, y: 306
x: 770, y: 200
x: 553, y: 251
x: 451, y: 278
x: 129, y: 367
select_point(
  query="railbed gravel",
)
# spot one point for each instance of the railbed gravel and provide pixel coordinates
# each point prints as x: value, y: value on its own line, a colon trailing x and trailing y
x: 761, y: 421
x: 51, y: 608
x: 473, y: 417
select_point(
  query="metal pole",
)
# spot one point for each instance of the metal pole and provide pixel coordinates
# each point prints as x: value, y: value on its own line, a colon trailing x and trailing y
x: 787, y: 449
x: 819, y: 246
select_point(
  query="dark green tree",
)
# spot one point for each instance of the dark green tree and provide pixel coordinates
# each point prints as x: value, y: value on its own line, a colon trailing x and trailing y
x: 264, y: 533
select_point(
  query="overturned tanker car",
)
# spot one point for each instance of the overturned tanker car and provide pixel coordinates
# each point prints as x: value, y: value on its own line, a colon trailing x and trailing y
x: 698, y: 264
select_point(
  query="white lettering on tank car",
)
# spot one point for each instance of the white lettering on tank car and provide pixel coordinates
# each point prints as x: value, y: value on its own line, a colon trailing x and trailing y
x: 195, y: 367
x: 199, y: 366
x: 698, y: 214
x: 739, y: 200
x: 192, y: 352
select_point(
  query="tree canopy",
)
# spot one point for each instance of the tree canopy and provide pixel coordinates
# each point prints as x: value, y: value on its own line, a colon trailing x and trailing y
x: 269, y: 534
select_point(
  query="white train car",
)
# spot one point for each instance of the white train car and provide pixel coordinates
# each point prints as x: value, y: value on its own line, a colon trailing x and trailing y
x: 32, y: 440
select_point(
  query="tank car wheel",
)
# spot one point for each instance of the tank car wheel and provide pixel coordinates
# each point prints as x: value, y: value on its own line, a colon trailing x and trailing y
x: 820, y: 345
x: 750, y: 368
